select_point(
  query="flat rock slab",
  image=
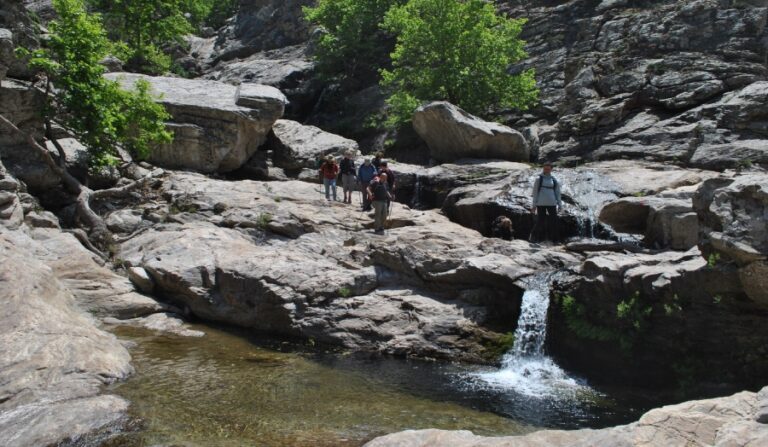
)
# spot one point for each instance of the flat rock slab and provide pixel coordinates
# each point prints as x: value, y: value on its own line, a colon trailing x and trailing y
x: 217, y: 126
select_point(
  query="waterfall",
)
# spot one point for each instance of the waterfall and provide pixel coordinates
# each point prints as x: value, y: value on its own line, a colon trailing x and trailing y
x: 416, y: 200
x: 526, y: 368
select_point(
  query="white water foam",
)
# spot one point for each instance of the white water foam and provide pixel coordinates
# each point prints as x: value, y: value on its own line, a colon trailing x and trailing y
x: 526, y: 368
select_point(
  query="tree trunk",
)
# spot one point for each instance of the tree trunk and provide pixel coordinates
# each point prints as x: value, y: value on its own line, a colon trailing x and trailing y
x: 97, y: 229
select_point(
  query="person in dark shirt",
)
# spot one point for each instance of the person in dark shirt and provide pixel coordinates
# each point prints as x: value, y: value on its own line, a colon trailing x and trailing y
x: 347, y: 167
x: 378, y: 193
x: 384, y: 169
x: 377, y: 160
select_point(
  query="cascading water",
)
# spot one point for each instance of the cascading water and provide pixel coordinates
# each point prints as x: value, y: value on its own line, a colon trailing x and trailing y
x: 526, y: 368
x: 416, y: 200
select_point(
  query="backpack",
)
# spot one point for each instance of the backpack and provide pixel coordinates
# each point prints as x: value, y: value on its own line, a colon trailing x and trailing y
x: 541, y: 183
x: 380, y: 191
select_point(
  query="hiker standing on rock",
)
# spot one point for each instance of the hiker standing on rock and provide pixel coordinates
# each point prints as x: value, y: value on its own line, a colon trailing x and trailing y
x: 365, y: 174
x: 378, y: 193
x: 384, y: 169
x: 328, y: 171
x: 348, y: 176
x: 546, y: 204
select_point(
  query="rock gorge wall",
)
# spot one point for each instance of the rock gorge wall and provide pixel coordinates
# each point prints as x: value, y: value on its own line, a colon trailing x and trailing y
x: 675, y: 81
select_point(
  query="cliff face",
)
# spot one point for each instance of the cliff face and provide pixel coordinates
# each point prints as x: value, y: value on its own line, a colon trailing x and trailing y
x: 676, y: 81
x: 665, y: 80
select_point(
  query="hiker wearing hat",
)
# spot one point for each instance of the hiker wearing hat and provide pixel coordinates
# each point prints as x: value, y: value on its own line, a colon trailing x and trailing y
x: 378, y: 193
x: 365, y: 174
x: 546, y: 204
x: 328, y: 171
x: 347, y: 176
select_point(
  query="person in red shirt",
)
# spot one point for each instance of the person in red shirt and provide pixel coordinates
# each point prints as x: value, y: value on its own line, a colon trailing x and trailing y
x: 328, y: 172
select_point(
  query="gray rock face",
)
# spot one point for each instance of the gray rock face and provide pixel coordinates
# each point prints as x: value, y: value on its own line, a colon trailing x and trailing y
x: 725, y: 421
x: 263, y: 25
x: 430, y: 288
x: 669, y: 312
x: 296, y: 146
x: 6, y: 51
x: 665, y: 222
x: 51, y: 353
x: 21, y: 105
x: 659, y: 80
x: 452, y: 134
x: 733, y: 211
x: 217, y: 126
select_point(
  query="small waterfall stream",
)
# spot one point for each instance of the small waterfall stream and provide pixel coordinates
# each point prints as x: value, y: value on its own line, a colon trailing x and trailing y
x: 526, y: 368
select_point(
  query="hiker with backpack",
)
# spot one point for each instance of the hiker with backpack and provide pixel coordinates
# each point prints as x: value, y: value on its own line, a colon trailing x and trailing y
x: 328, y: 171
x: 546, y: 204
x: 347, y: 176
x: 379, y: 195
x: 365, y: 174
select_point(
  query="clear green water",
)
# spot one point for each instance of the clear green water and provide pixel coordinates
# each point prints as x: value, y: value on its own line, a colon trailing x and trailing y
x: 231, y: 389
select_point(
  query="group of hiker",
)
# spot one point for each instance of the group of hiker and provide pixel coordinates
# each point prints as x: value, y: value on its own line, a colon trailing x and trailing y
x: 376, y: 183
x: 374, y: 179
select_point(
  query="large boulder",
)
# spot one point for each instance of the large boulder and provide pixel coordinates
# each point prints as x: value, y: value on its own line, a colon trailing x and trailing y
x: 54, y: 360
x: 452, y: 133
x: 296, y: 146
x: 724, y: 421
x: 733, y: 211
x: 217, y: 127
x: 666, y: 222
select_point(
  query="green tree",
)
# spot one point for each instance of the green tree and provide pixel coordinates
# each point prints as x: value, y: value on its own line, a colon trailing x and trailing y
x: 95, y: 110
x: 352, y: 43
x: 145, y: 26
x: 457, y: 51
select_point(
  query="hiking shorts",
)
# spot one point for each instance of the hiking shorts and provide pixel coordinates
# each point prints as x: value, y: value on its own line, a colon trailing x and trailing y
x: 348, y: 182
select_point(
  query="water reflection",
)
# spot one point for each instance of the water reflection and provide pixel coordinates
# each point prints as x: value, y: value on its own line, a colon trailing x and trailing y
x: 225, y: 390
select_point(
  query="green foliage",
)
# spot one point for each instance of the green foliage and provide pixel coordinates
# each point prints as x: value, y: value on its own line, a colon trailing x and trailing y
x: 499, y: 346
x: 97, y: 111
x: 263, y: 221
x: 713, y: 259
x: 145, y: 26
x: 213, y: 13
x: 458, y: 51
x: 352, y: 42
x: 634, y: 311
x: 717, y: 299
x: 344, y: 292
x: 576, y: 321
x: 674, y: 307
